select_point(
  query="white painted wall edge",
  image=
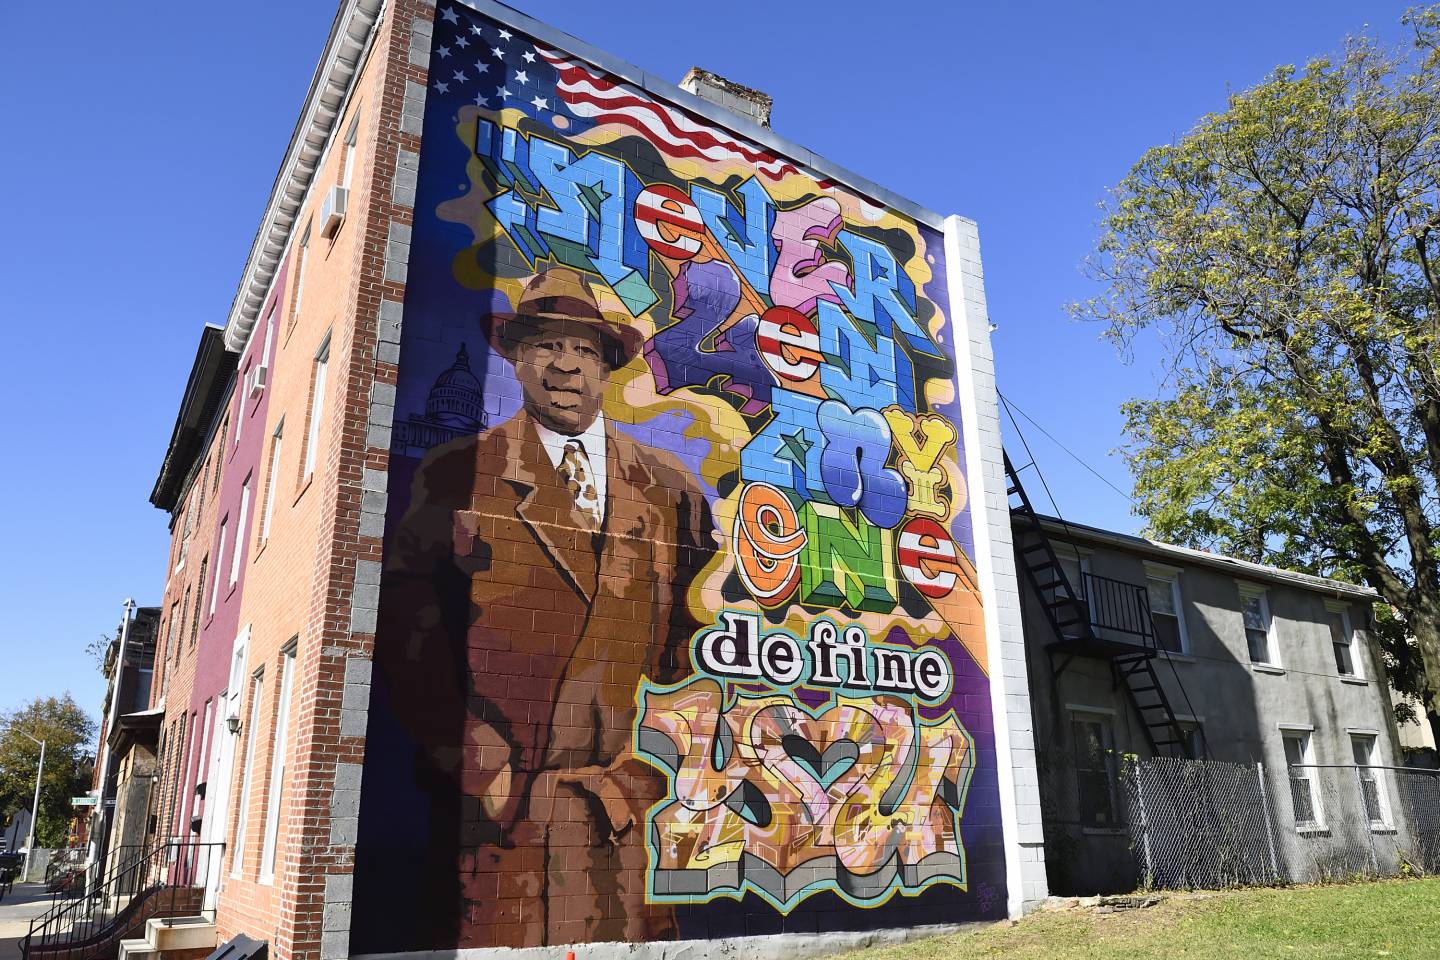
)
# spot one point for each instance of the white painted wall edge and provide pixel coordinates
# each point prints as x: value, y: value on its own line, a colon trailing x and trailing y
x: 995, y: 567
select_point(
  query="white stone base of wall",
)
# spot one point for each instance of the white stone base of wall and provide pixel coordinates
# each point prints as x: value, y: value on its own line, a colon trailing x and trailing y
x: 784, y: 946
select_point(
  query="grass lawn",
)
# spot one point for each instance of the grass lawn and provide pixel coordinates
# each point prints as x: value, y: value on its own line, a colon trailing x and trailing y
x: 1395, y: 918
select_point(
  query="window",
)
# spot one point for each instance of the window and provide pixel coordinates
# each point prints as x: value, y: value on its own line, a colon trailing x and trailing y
x: 317, y: 408
x: 240, y: 531
x: 1342, y: 640
x: 176, y: 616
x: 1255, y: 607
x: 1095, y: 770
x: 195, y: 625
x: 1303, y: 797
x: 220, y: 455
x: 300, y: 256
x: 348, y: 166
x: 268, y: 512
x: 219, y: 559
x: 184, y: 616
x: 1362, y: 746
x: 269, y: 335
x: 182, y: 541
x: 277, y: 765
x: 240, y: 407
x: 256, y: 687
x: 1074, y: 566
x: 1163, y: 588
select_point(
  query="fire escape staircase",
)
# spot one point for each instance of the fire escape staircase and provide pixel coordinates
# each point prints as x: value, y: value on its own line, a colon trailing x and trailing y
x: 1087, y: 620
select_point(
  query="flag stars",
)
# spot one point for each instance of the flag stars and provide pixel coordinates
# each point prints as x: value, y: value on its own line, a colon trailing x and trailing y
x: 460, y: 76
x: 505, y: 34
x: 504, y: 94
x: 480, y: 99
x: 528, y: 56
x: 443, y: 51
x: 540, y: 103
x: 522, y: 77
x: 498, y: 53
x: 475, y: 29
x: 448, y: 15
x: 461, y: 42
x: 481, y: 67
x: 442, y: 87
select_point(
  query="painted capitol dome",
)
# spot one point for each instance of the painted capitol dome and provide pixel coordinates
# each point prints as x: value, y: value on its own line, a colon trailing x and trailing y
x: 456, y: 396
x: 454, y: 407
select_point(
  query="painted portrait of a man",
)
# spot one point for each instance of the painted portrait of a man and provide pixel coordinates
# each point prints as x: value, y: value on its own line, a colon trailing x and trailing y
x: 540, y: 571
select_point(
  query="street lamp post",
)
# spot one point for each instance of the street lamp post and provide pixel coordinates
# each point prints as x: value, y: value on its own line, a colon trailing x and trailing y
x: 34, y: 808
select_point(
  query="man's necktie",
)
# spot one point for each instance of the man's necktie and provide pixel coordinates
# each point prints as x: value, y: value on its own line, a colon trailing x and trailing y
x: 579, y: 479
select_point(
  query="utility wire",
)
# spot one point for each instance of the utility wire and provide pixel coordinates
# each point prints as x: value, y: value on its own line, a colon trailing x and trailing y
x: 1013, y: 409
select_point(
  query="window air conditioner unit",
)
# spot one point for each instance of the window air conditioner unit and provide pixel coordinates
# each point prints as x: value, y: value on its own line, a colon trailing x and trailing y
x: 332, y: 211
x: 255, y: 379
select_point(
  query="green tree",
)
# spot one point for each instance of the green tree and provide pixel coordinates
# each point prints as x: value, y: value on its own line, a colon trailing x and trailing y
x: 1286, y: 253
x: 69, y: 737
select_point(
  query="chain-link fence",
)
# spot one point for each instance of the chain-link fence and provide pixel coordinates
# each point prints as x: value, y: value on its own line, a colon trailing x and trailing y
x: 1206, y: 824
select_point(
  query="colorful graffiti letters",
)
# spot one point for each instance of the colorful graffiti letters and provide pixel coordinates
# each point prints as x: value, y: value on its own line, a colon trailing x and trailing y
x: 771, y: 797
x: 739, y: 649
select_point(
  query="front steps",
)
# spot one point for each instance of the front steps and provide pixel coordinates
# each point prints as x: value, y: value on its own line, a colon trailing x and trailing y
x: 175, y: 938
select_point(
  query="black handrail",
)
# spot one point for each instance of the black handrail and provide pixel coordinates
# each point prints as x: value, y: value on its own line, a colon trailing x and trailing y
x: 1119, y: 606
x: 164, y: 879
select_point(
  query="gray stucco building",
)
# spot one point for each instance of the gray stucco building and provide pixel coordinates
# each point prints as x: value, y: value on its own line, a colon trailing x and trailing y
x: 1257, y: 666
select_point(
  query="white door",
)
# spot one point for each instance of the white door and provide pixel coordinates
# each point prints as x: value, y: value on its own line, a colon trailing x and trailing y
x: 222, y: 765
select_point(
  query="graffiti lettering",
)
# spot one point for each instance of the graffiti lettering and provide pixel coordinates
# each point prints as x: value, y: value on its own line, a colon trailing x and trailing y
x: 767, y: 542
x: 862, y: 795
x: 739, y: 649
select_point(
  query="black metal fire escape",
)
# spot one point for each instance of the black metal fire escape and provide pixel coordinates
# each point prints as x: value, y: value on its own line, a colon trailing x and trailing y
x: 1087, y: 621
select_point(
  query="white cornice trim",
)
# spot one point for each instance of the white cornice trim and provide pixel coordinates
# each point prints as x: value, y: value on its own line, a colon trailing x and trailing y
x: 335, y: 74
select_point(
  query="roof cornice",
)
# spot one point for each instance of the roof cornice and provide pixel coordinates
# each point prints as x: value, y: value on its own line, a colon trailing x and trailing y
x: 350, y: 34
x: 203, y: 398
x: 1072, y: 532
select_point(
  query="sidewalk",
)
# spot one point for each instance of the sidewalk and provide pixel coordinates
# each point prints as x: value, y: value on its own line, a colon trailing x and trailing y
x: 25, y: 902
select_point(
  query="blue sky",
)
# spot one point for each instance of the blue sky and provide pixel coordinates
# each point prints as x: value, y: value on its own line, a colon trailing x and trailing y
x: 142, y: 145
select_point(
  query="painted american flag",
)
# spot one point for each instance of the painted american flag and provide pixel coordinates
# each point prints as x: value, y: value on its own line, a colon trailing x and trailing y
x: 480, y: 62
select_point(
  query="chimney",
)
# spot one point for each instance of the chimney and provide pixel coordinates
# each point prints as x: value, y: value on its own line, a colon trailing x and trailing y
x: 748, y: 103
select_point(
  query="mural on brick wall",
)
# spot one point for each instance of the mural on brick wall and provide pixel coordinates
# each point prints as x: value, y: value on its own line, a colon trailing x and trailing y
x: 680, y: 634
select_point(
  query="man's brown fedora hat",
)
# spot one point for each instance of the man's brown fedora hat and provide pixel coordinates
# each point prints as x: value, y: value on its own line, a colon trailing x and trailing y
x: 563, y: 293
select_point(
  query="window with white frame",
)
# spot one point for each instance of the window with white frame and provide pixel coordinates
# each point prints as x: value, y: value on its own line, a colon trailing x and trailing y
x: 1259, y: 633
x: 1304, y: 796
x: 317, y: 407
x: 300, y: 256
x: 276, y: 439
x: 1162, y: 584
x: 1073, y: 566
x: 1362, y: 747
x: 257, y: 685
x: 240, y: 529
x: 1342, y: 640
x: 1095, y: 774
x: 276, y: 798
x: 240, y: 408
x: 347, y: 170
x: 219, y: 559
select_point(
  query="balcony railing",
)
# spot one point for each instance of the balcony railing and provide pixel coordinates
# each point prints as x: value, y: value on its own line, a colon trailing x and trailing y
x: 1118, y: 607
